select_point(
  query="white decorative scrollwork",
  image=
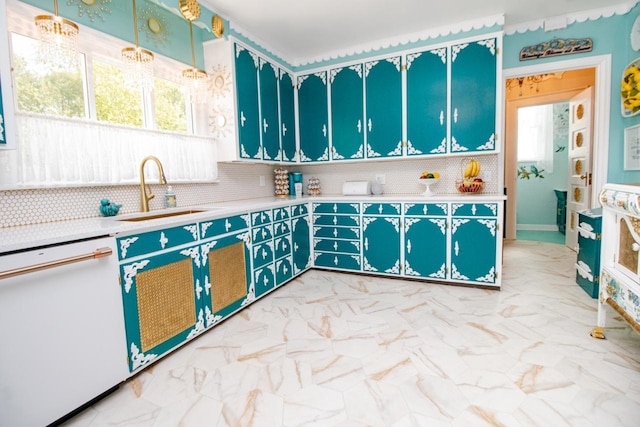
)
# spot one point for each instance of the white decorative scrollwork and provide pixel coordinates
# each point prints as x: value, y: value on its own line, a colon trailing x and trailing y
x: 395, y: 269
x: 124, y: 245
x: 380, y: 209
x: 474, y: 210
x: 206, y: 248
x: 325, y: 155
x: 366, y: 221
x: 199, y: 289
x: 207, y: 284
x: 360, y: 153
x: 408, y: 206
x: 456, y: 49
x: 442, y: 206
x: 335, y: 261
x: 411, y: 57
x: 246, y: 219
x: 411, y: 149
x: 442, y: 53
x: 395, y: 222
x: 163, y: 240
x: 455, y: 274
x: 335, y: 155
x: 204, y: 227
x: 357, y: 68
x: 455, y: 207
x: 366, y: 244
x: 323, y: 77
x: 251, y: 295
x: 245, y: 237
x: 408, y: 270
x: 441, y: 117
x: 489, y: 44
x: 456, y: 223
x: 366, y: 266
x: 199, y: 327
x: 489, y: 277
x: 441, y: 223
x: 396, y: 60
x: 396, y: 151
x: 301, y: 79
x: 442, y: 148
x: 355, y: 206
x: 139, y: 359
x: 210, y: 317
x: 490, y: 224
x: 408, y: 222
x: 456, y: 248
x: 130, y: 271
x: 440, y: 274
x: 333, y: 73
x: 368, y: 66
x: 193, y: 229
x: 457, y: 147
x: 356, y: 244
x: 490, y: 144
x: 304, y: 157
x: 366, y: 206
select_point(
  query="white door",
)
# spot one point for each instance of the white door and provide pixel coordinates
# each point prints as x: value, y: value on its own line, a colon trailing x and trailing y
x: 580, y: 145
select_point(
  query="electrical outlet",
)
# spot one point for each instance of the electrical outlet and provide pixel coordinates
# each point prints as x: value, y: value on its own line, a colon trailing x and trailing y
x: 262, y: 181
x: 380, y: 178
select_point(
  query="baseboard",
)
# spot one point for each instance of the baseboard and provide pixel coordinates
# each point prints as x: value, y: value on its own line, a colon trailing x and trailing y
x: 536, y: 227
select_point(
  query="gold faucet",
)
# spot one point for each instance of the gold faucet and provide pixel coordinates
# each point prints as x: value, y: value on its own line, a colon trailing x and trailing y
x: 144, y: 196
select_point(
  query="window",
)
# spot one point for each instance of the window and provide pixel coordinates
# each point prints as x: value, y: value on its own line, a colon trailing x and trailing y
x: 115, y: 103
x: 535, y: 136
x: 170, y: 106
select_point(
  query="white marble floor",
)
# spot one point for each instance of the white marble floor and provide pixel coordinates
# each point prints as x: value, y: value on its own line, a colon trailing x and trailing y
x: 331, y: 349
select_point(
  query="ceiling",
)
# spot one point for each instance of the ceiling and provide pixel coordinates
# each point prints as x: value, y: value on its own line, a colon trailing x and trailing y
x: 302, y: 31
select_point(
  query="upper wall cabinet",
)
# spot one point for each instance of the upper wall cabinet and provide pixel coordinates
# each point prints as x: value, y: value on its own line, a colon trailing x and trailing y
x: 7, y: 136
x: 261, y: 126
x: 347, y: 128
x: 313, y: 117
x: 473, y: 96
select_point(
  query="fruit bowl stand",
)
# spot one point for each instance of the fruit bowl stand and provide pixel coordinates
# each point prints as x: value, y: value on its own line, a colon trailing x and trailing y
x: 470, y: 186
x: 428, y: 182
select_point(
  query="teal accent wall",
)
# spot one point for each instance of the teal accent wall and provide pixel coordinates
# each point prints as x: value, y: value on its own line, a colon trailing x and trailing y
x: 536, y: 200
x: 610, y: 36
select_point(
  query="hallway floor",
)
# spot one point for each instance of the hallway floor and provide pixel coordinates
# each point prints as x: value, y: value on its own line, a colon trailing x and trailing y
x: 332, y: 349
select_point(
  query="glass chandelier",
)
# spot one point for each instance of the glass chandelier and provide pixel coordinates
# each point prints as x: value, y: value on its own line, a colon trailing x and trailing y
x: 193, y: 79
x: 58, y: 39
x: 138, y: 62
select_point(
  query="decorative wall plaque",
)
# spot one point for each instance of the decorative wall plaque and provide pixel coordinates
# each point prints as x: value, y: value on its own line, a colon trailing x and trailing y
x: 556, y: 47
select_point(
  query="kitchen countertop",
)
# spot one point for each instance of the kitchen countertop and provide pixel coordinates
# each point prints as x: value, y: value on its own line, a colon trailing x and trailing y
x: 26, y: 237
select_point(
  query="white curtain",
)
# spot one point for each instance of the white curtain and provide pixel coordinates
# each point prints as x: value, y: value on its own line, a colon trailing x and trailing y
x: 54, y: 151
x: 535, y: 136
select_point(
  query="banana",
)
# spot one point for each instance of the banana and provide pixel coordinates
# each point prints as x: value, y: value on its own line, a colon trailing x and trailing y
x: 472, y: 170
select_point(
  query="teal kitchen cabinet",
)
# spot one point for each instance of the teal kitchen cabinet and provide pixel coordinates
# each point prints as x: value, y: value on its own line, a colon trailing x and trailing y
x: 381, y: 237
x: 383, y: 88
x: 287, y: 117
x: 474, y: 240
x: 248, y: 108
x: 262, y: 252
x: 347, y: 115
x: 473, y: 96
x: 300, y: 232
x: 282, y: 242
x: 336, y: 226
x: 269, y: 120
x: 427, y: 109
x: 160, y: 300
x: 425, y: 240
x: 313, y: 117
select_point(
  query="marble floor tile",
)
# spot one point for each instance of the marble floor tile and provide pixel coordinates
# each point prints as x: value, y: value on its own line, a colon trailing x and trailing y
x: 345, y: 350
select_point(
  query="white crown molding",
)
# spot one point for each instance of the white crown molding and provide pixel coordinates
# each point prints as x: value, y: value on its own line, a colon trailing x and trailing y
x: 593, y: 14
x: 475, y: 24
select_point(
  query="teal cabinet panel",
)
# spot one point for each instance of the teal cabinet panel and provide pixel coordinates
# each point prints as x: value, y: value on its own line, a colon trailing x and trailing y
x: 262, y: 233
x: 160, y: 313
x: 383, y: 83
x: 426, y: 209
x: 337, y: 261
x: 339, y: 220
x: 261, y: 217
x: 427, y: 109
x: 246, y: 63
x: 473, y: 249
x: 282, y: 213
x: 220, y: 226
x: 269, y: 121
x: 337, y: 232
x: 425, y: 247
x: 3, y: 133
x: 287, y: 118
x: 282, y: 246
x: 381, y: 208
x: 474, y: 209
x: 153, y: 241
x: 284, y: 270
x: 264, y: 280
x: 347, y: 116
x: 473, y: 96
x: 381, y: 244
x: 301, y: 243
x: 338, y: 208
x: 262, y: 254
x: 313, y: 117
x: 281, y: 228
x: 336, y: 245
x: 299, y: 210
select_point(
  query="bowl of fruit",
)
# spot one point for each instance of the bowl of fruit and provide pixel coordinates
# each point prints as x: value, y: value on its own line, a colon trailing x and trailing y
x: 428, y: 179
x: 471, y: 183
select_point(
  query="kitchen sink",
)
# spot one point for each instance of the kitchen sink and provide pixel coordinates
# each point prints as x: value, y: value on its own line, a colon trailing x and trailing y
x: 145, y: 216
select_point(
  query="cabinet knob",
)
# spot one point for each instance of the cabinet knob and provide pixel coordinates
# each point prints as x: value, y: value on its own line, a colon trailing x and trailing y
x: 635, y: 247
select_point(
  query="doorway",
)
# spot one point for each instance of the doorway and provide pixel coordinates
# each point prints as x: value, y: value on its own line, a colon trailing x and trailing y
x: 552, y: 83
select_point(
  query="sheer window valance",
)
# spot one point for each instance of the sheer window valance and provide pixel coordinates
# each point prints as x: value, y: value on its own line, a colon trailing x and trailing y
x: 54, y: 151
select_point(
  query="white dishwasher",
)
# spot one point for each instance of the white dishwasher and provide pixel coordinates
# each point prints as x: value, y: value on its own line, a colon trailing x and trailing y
x: 62, y: 336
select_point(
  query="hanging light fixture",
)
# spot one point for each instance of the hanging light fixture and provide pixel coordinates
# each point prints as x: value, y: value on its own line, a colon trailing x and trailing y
x: 138, y: 62
x: 58, y: 39
x: 193, y: 79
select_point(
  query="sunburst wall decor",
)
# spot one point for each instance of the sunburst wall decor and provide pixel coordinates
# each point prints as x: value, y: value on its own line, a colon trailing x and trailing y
x: 154, y: 24
x: 219, y: 84
x: 91, y: 8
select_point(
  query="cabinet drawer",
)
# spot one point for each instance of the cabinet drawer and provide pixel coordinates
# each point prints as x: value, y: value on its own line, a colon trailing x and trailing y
x: 425, y: 209
x: 264, y: 280
x: 474, y: 209
x: 260, y: 234
x: 282, y: 246
x: 153, y: 241
x: 335, y: 245
x: 284, y: 270
x: 262, y: 254
x: 339, y: 220
x: 588, y: 250
x: 220, y: 226
x: 281, y: 228
x: 381, y: 208
x: 587, y: 280
x: 261, y: 217
x: 299, y: 210
x: 333, y: 260
x: 337, y: 232
x: 337, y: 208
x: 280, y: 214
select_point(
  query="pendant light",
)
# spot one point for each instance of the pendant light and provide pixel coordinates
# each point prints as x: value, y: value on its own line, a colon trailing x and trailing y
x: 138, y: 62
x: 193, y: 79
x: 58, y: 39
